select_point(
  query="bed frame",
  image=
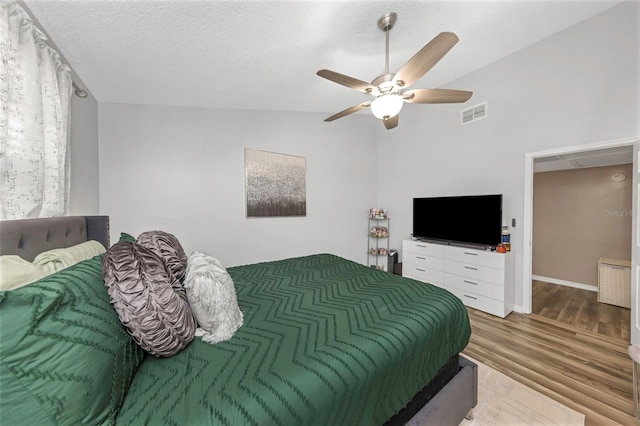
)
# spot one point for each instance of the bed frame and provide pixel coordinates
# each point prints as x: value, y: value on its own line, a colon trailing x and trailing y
x: 29, y: 237
x: 448, y: 399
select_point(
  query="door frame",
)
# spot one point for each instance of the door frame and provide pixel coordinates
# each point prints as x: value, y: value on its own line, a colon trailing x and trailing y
x: 528, y: 220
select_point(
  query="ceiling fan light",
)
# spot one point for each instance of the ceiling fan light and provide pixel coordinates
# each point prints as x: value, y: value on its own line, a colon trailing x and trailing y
x: 386, y: 106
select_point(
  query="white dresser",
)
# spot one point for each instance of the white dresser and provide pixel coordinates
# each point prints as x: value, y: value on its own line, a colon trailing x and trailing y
x: 481, y: 279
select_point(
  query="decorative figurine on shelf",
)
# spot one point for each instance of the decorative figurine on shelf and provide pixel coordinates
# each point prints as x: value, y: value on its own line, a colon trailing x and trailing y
x: 379, y: 231
x: 378, y: 251
x: 377, y: 213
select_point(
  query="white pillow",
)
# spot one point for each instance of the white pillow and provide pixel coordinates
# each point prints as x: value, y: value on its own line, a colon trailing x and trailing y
x: 212, y: 297
x: 57, y: 259
x: 16, y: 272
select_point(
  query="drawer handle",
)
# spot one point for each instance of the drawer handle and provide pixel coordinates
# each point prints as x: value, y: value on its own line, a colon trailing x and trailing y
x: 470, y: 282
x: 470, y: 254
x: 419, y: 257
x: 469, y: 267
x: 420, y: 245
x: 421, y: 270
x: 470, y: 297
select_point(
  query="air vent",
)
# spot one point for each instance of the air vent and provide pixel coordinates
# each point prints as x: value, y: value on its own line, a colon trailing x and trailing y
x: 475, y: 113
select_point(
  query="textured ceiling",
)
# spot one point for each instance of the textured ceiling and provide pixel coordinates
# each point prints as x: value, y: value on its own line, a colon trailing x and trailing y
x: 264, y: 54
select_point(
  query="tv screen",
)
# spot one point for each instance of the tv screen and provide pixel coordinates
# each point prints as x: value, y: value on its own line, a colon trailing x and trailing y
x: 472, y: 219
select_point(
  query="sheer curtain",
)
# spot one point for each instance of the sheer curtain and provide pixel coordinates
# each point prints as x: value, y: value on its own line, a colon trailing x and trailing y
x: 35, y: 94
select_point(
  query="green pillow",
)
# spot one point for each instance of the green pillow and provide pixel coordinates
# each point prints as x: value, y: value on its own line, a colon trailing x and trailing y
x: 124, y: 237
x: 66, y: 358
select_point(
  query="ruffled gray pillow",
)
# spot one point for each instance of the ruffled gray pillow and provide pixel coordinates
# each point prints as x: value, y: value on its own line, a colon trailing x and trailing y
x: 168, y: 248
x: 150, y: 302
x: 212, y: 297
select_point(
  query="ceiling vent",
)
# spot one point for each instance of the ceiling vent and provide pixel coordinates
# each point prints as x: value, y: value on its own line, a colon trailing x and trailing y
x: 475, y: 113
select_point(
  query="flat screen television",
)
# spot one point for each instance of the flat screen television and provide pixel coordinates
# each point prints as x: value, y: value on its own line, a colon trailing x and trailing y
x: 470, y: 219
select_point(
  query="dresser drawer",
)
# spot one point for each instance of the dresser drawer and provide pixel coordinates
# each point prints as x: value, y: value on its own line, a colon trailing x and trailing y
x: 485, y: 304
x: 425, y: 249
x: 475, y: 257
x: 475, y: 272
x: 420, y: 273
x: 468, y: 285
x: 424, y: 261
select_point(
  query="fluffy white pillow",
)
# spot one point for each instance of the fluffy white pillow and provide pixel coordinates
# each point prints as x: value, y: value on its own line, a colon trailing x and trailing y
x: 58, y: 259
x: 212, y: 297
x: 16, y: 272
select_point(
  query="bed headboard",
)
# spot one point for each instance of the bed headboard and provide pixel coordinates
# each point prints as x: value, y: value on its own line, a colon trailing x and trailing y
x: 29, y: 237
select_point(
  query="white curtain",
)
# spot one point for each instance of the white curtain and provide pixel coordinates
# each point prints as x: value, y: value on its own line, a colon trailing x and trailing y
x: 35, y: 94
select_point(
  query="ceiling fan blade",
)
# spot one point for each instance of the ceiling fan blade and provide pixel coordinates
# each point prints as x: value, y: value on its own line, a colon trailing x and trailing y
x: 345, y: 80
x: 425, y: 59
x: 436, y: 96
x: 348, y: 111
x: 390, y: 123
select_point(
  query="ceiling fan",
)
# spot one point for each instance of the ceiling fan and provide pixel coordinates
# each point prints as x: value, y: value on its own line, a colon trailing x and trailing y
x: 388, y: 90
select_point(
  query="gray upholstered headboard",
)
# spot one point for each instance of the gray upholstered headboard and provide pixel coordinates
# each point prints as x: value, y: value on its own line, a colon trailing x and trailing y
x: 29, y: 237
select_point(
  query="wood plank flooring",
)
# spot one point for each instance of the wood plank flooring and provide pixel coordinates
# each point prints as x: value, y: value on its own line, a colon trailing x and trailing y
x: 580, y: 308
x: 584, y: 370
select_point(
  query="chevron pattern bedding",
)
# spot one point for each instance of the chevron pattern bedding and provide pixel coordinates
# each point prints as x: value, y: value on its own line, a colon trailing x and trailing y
x: 65, y: 358
x: 325, y: 341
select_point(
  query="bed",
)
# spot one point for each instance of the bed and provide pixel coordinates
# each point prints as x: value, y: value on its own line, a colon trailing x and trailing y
x: 324, y: 341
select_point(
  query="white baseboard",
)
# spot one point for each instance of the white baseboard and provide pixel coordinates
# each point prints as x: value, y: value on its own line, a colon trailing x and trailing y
x: 565, y: 283
x: 518, y: 309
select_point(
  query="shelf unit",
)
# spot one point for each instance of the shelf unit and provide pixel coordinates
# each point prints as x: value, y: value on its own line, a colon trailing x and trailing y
x: 378, y: 243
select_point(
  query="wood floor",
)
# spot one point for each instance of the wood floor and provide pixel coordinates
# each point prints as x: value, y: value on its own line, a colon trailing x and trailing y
x: 580, y: 308
x: 584, y: 370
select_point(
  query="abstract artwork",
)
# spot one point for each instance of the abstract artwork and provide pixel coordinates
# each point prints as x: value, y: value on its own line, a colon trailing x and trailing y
x: 275, y: 184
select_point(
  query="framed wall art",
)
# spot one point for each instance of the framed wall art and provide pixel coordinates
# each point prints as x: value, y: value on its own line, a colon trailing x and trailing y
x: 275, y: 184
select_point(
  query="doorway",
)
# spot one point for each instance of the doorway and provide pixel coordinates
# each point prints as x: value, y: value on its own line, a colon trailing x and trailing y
x: 581, y: 214
x: 569, y: 154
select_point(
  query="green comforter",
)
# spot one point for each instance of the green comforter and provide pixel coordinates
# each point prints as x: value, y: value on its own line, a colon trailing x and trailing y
x: 324, y: 341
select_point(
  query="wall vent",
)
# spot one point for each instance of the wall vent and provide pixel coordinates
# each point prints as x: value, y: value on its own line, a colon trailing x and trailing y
x: 475, y: 113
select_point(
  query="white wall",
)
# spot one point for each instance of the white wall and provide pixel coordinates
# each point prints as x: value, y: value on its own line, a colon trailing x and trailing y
x: 182, y: 170
x: 84, y: 198
x: 575, y: 87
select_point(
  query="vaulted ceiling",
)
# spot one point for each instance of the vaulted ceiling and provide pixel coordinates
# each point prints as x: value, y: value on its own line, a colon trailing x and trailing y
x: 265, y: 54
